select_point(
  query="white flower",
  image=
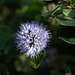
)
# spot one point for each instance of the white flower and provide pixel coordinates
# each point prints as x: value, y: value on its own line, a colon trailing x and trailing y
x: 32, y: 39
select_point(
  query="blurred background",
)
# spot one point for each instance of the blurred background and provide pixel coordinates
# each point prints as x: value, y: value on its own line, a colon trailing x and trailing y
x: 58, y: 53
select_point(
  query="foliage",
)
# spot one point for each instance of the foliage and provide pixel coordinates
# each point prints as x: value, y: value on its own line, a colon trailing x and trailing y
x: 65, y: 16
x: 36, y: 61
x: 62, y: 20
x: 15, y: 12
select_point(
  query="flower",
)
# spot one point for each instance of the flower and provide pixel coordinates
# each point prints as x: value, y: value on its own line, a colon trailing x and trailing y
x: 32, y: 38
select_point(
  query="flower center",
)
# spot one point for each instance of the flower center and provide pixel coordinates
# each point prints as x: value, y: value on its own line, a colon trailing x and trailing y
x: 32, y: 43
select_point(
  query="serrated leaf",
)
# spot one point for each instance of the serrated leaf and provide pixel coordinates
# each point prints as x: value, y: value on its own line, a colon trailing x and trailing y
x: 65, y: 22
x: 69, y: 12
x: 67, y: 69
x: 35, y: 62
x: 5, y: 37
x: 68, y: 40
x: 56, y: 73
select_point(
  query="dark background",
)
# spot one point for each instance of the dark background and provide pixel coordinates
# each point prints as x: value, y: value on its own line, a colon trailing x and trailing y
x: 12, y: 62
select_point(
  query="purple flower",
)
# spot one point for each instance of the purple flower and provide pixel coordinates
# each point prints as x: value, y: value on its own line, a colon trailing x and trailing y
x: 32, y: 38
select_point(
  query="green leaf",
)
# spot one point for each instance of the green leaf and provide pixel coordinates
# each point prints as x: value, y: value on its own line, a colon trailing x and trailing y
x: 69, y: 12
x: 67, y: 69
x: 47, y: 14
x: 55, y: 11
x: 58, y: 12
x: 68, y: 40
x: 56, y: 73
x: 35, y: 62
x: 5, y: 37
x: 65, y: 22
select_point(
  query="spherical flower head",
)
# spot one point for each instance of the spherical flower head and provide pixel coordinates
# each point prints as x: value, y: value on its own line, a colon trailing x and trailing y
x: 32, y: 38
